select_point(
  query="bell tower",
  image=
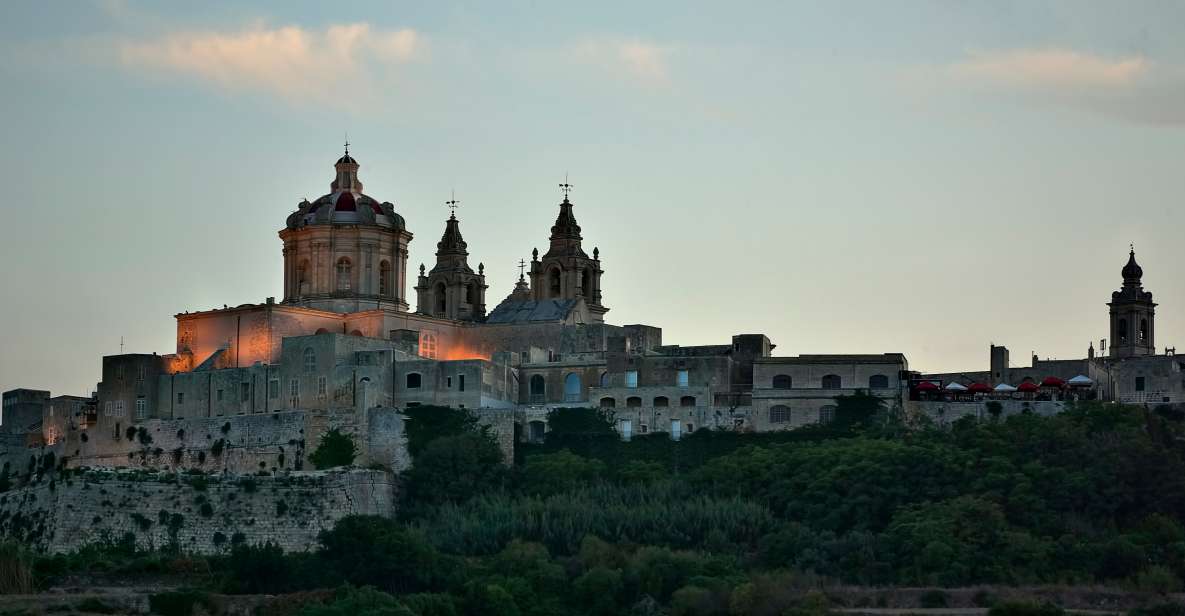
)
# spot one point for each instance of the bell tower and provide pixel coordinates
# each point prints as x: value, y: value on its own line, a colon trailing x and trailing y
x: 1133, y: 314
x: 566, y: 272
x: 451, y: 290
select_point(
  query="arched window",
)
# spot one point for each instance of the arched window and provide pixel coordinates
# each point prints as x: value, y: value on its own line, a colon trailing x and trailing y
x: 1143, y: 330
x: 779, y: 414
x: 1121, y: 330
x: 322, y: 330
x: 414, y: 380
x: 832, y: 381
x: 471, y: 294
x: 782, y: 381
x: 344, y: 273
x: 687, y: 401
x: 661, y: 401
x: 604, y: 379
x: 586, y: 284
x: 553, y: 282
x: 608, y: 403
x: 633, y: 402
x: 440, y: 294
x: 384, y: 278
x: 572, y: 387
x: 310, y: 360
x: 538, y: 388
x: 356, y: 332
x: 826, y: 414
x: 878, y: 381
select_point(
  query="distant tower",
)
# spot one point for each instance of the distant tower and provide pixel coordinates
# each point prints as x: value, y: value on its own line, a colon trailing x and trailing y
x: 566, y: 272
x: 451, y: 290
x: 1133, y: 313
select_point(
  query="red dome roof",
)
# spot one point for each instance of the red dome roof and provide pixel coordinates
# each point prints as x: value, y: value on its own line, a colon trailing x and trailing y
x: 345, y: 203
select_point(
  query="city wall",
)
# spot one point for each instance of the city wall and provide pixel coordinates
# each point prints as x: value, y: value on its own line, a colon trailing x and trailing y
x: 197, y: 513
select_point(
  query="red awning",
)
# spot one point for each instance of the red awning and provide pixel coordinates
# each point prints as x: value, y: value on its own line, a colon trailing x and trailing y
x: 1052, y: 381
x: 979, y: 388
x: 1027, y: 386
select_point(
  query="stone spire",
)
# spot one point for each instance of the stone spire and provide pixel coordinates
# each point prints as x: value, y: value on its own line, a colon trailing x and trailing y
x: 451, y: 243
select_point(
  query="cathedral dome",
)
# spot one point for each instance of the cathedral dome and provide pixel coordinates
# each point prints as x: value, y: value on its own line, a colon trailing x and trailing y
x: 346, y: 204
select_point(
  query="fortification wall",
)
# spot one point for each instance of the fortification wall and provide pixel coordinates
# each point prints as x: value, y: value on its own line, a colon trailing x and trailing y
x: 943, y: 412
x: 236, y: 444
x: 197, y: 513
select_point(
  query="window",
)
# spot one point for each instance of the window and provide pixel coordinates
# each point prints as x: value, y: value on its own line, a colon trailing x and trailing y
x: 681, y: 378
x: 832, y: 381
x: 273, y: 389
x: 441, y: 298
x: 302, y: 277
x: 294, y: 387
x: 321, y: 386
x: 826, y: 414
x: 343, y: 274
x: 471, y: 294
x: 687, y: 401
x: 1139, y: 383
x: 627, y: 429
x: 661, y: 401
x: 244, y: 392
x: 633, y: 402
x: 413, y: 380
x: 631, y: 379
x: 608, y: 403
x: 384, y: 278
x: 218, y: 395
x: 779, y: 414
x: 180, y: 398
x: 141, y: 409
x: 538, y: 388
x: 140, y: 373
x: 878, y: 381
x: 783, y: 381
x: 448, y: 382
x: 119, y: 408
x: 553, y: 278
x: 676, y: 429
x: 1143, y: 334
x: 310, y: 360
x: 460, y: 382
x: 428, y: 345
x: 1121, y: 330
x: 572, y: 386
x: 604, y: 379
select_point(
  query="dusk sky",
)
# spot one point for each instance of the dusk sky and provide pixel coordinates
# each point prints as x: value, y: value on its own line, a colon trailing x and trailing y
x: 845, y: 177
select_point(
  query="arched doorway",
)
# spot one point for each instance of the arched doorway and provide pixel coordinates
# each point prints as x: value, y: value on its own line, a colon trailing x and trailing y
x: 572, y: 387
x: 538, y: 389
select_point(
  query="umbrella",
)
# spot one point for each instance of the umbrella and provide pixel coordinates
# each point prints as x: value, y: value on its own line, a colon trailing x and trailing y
x: 1004, y: 388
x: 1080, y: 381
x: 952, y: 386
x: 1052, y: 381
x: 926, y: 386
x: 1027, y: 386
x: 979, y: 388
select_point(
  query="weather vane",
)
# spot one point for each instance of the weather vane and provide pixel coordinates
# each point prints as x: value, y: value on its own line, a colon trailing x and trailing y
x: 566, y: 187
x: 522, y: 264
x: 347, y: 143
x: 452, y: 204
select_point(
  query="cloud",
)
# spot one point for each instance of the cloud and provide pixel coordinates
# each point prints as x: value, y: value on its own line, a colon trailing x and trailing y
x: 332, y: 65
x: 1051, y: 68
x: 1130, y: 88
x: 642, y: 62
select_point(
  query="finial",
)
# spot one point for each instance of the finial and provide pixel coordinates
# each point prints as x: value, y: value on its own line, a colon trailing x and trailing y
x: 596, y: 254
x: 535, y: 254
x: 1132, y: 246
x: 347, y: 143
x: 452, y: 205
x: 522, y: 265
x: 566, y: 187
x: 481, y: 269
x: 421, y: 269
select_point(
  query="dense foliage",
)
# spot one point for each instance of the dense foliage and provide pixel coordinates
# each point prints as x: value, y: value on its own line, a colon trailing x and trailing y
x: 335, y: 449
x: 727, y: 523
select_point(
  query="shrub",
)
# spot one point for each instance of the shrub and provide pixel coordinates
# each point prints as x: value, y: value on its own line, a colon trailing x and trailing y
x: 130, y: 432
x: 933, y: 599
x: 16, y: 569
x: 95, y: 606
x: 1024, y: 608
x: 335, y: 449
x: 216, y: 448
x: 143, y: 435
x: 207, y: 510
x: 179, y: 603
x: 1157, y: 579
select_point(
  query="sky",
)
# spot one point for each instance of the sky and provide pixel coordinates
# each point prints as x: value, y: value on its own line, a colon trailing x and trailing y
x: 845, y: 177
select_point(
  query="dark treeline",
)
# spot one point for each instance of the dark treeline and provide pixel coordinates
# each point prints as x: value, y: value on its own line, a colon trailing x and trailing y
x: 728, y: 523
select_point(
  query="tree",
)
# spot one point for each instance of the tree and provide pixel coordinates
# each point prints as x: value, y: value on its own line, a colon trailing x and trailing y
x: 551, y: 473
x: 857, y: 409
x: 455, y: 468
x: 335, y: 449
x: 376, y: 551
